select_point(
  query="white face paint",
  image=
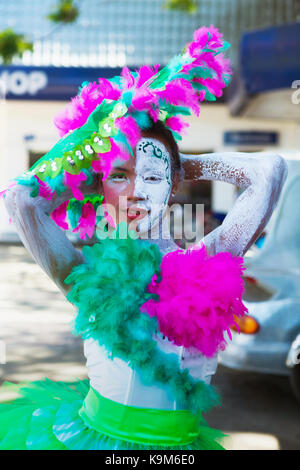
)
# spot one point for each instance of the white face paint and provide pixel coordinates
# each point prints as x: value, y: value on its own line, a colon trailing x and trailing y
x: 153, y: 180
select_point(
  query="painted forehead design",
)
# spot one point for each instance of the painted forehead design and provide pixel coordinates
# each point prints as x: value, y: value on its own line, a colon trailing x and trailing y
x: 155, y: 149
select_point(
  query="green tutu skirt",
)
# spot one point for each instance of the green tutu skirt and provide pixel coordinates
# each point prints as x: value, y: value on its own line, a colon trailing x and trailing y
x: 55, y: 416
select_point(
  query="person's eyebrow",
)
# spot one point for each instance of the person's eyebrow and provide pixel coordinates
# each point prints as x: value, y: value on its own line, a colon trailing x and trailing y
x: 155, y: 168
x: 119, y: 168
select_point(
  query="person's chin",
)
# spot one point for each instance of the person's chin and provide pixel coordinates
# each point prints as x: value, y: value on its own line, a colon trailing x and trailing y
x: 139, y: 224
x: 146, y: 226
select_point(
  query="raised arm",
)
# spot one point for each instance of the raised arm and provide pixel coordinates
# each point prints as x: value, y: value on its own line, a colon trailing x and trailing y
x: 44, y: 240
x: 260, y: 175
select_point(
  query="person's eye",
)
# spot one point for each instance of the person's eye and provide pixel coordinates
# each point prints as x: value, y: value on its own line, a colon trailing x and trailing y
x: 153, y: 179
x: 118, y: 177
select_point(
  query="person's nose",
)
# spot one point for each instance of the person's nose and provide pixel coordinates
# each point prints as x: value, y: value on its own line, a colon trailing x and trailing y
x: 136, y: 190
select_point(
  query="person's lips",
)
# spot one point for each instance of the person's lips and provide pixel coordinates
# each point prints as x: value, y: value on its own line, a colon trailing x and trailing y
x: 134, y: 213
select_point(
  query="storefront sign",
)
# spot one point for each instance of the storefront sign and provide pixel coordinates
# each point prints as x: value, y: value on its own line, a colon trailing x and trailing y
x: 47, y: 83
x: 250, y: 138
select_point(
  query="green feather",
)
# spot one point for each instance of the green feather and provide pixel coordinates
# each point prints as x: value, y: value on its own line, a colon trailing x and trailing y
x: 120, y: 138
x: 108, y: 289
x: 209, y: 96
x: 142, y: 119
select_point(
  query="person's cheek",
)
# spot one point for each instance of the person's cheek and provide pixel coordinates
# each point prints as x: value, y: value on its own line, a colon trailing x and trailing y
x: 158, y: 196
x: 111, y: 195
x: 160, y: 193
x: 111, y: 201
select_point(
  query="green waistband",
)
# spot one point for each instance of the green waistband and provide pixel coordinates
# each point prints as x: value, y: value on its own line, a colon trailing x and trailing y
x: 141, y: 425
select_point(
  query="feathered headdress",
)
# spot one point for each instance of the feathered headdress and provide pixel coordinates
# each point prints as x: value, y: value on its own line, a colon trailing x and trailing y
x: 105, y: 120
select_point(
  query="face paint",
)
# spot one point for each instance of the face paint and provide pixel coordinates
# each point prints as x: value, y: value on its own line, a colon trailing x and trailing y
x: 153, y: 180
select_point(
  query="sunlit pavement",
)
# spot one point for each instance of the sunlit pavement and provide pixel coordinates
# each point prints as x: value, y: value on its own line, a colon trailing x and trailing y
x: 251, y: 441
x: 35, y: 323
x: 258, y: 413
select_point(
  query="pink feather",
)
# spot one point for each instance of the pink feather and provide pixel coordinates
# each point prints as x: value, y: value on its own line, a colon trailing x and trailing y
x: 143, y: 99
x: 81, y: 106
x: 224, y: 64
x: 176, y: 124
x: 59, y: 215
x: 198, y: 298
x: 129, y: 127
x: 154, y: 113
x: 213, y: 85
x: 87, y: 221
x: 205, y: 37
x: 45, y: 190
x: 109, y: 90
x: 127, y: 78
x: 73, y: 181
x: 145, y: 73
x: 181, y: 92
x: 77, y: 112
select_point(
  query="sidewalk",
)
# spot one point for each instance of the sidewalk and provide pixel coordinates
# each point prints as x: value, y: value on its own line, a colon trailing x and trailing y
x: 35, y: 318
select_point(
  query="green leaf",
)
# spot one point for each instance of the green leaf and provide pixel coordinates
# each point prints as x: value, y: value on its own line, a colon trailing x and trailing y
x: 69, y: 164
x: 43, y: 170
x: 107, y: 127
x: 100, y: 144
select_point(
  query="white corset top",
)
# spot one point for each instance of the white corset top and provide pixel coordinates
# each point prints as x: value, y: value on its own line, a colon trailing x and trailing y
x: 116, y: 380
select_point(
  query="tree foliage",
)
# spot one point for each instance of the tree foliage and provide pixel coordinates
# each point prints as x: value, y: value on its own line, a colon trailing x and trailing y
x: 65, y: 12
x: 188, y: 6
x: 12, y: 44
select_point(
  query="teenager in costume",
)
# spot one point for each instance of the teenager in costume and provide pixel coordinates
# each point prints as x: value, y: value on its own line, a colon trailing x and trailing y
x: 152, y: 316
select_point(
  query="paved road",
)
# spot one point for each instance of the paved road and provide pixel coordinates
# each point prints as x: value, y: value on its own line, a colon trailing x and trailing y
x: 258, y: 412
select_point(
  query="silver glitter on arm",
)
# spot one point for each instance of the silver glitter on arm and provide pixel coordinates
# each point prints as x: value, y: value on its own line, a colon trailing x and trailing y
x: 260, y: 175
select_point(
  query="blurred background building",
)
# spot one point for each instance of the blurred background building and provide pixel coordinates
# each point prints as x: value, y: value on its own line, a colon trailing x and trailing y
x: 259, y: 111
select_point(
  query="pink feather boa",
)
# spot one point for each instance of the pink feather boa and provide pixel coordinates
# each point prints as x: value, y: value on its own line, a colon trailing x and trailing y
x: 86, y: 222
x: 198, y: 298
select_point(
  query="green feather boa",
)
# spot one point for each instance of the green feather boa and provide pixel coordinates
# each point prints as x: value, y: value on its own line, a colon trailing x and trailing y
x: 108, y: 290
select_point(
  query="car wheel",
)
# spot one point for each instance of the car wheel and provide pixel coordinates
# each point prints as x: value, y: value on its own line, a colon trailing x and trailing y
x: 295, y: 380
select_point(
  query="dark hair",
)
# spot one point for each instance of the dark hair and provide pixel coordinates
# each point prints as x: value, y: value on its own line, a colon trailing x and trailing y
x: 159, y: 130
